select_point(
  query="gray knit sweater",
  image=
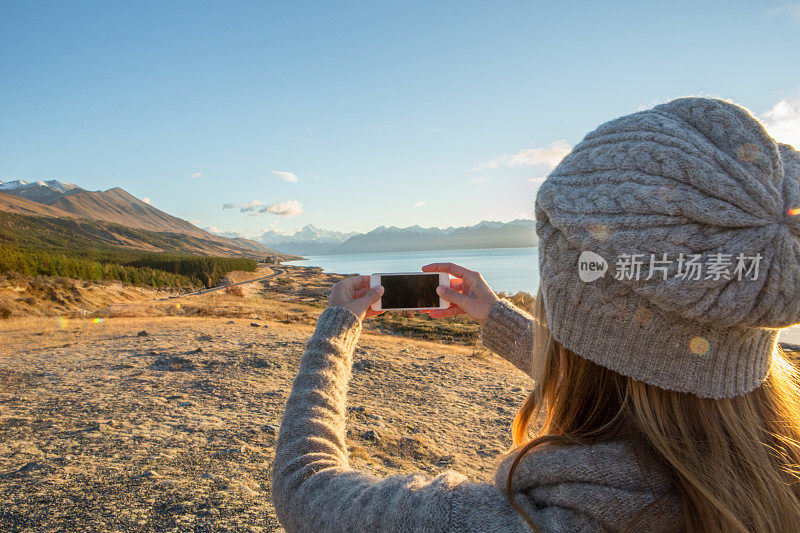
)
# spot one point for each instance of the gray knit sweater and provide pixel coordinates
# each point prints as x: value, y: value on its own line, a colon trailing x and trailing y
x: 573, y: 488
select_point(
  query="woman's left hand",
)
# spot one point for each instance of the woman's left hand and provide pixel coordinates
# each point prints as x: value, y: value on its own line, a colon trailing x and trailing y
x: 356, y: 295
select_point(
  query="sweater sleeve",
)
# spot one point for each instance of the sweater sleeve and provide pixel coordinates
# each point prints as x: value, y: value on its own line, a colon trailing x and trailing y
x: 313, y: 486
x: 508, y: 332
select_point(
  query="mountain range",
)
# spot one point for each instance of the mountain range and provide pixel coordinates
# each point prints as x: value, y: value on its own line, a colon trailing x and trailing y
x: 311, y: 240
x: 117, y: 218
x: 52, y: 211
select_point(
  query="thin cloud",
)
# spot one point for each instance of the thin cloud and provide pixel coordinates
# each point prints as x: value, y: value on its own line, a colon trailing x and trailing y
x: 289, y: 208
x: 791, y: 9
x: 548, y: 156
x: 419, y: 204
x: 285, y: 176
x: 782, y: 121
x: 479, y: 179
x: 146, y: 200
x: 243, y: 208
x: 196, y: 221
x: 196, y: 175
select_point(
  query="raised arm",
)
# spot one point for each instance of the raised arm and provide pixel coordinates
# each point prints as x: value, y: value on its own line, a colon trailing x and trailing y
x: 506, y: 329
x: 313, y: 486
x: 508, y: 332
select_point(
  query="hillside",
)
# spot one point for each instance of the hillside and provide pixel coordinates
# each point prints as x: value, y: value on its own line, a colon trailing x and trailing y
x: 22, y: 206
x: 119, y: 207
x: 109, y: 218
x: 77, y: 234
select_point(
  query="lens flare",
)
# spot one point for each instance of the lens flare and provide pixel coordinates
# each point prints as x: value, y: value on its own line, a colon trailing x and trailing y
x: 748, y: 152
x: 699, y: 345
x: 794, y: 211
x: 97, y: 320
x: 62, y: 322
x: 599, y: 232
x: 666, y: 193
x: 643, y: 315
x: 177, y: 306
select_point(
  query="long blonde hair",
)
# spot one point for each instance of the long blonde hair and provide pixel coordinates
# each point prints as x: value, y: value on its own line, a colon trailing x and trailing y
x: 735, y: 462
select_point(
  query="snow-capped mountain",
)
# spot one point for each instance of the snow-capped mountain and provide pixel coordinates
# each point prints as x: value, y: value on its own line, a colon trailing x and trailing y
x: 487, y: 234
x: 37, y: 191
x: 309, y: 240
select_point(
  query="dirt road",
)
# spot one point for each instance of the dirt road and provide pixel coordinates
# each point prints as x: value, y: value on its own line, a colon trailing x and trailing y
x: 275, y: 272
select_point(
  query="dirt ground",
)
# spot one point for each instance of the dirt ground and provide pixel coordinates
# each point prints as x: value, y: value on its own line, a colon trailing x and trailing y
x: 168, y: 422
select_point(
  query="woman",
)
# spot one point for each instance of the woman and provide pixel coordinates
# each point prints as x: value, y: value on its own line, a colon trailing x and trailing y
x: 669, y: 247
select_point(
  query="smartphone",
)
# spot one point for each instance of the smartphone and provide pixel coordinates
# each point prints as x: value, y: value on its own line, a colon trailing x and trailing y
x: 410, y: 291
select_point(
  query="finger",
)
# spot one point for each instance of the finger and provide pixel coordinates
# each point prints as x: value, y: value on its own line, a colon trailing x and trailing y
x: 457, y: 284
x: 452, y: 295
x: 451, y: 268
x: 359, y: 282
x: 372, y: 295
x: 349, y: 285
x: 372, y: 312
x: 360, y: 292
x: 450, y: 311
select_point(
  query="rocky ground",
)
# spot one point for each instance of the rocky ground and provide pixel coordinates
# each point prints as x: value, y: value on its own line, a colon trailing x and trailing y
x: 168, y: 423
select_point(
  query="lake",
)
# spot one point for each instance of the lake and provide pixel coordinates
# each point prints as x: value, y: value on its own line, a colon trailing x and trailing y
x: 505, y: 269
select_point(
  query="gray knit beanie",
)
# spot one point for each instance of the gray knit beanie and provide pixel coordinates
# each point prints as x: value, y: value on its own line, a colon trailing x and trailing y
x: 669, y: 247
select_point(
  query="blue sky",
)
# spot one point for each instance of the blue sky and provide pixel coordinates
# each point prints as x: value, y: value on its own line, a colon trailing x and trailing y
x: 351, y: 115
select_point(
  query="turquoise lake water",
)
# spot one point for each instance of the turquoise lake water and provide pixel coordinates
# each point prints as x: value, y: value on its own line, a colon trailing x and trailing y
x: 505, y: 269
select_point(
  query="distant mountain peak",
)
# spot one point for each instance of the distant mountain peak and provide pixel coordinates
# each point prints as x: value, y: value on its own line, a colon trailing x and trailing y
x: 311, y: 240
x: 51, y: 184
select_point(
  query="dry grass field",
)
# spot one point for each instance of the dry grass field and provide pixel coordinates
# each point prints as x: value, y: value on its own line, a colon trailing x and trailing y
x: 161, y: 414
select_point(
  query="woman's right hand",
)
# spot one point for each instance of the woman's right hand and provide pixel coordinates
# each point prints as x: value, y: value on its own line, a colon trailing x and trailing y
x: 468, y: 294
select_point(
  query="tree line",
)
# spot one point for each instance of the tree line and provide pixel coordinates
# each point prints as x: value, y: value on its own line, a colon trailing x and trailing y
x: 136, y: 268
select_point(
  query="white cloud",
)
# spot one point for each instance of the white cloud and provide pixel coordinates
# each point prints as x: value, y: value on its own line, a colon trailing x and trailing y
x: 419, y: 204
x: 146, y: 200
x: 782, y: 121
x: 196, y: 175
x: 213, y: 229
x: 249, y: 206
x: 479, y: 179
x: 196, y: 221
x: 285, y: 176
x: 548, y: 156
x: 791, y: 9
x: 289, y: 208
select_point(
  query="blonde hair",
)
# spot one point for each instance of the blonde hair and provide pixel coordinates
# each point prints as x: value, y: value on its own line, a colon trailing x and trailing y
x: 735, y: 462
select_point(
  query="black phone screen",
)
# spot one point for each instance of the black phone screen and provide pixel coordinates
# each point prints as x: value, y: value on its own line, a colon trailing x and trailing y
x: 404, y: 291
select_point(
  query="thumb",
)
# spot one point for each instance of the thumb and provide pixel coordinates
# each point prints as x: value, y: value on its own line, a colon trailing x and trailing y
x: 372, y: 295
x: 452, y: 295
